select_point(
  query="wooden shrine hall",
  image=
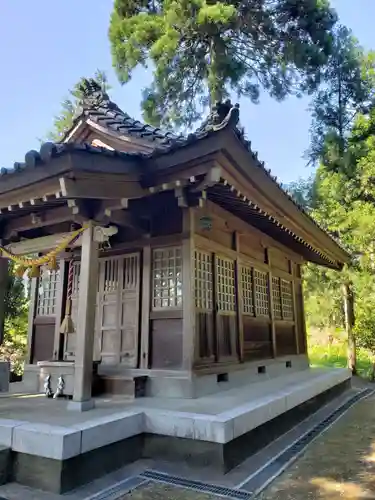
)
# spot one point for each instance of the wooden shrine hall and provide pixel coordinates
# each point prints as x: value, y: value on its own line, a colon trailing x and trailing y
x: 178, y: 260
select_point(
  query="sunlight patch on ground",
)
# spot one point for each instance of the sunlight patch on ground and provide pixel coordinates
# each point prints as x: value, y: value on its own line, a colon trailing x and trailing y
x: 340, y: 464
x: 333, y: 490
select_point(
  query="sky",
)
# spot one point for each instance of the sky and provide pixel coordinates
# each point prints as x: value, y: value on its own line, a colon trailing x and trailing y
x: 45, y: 47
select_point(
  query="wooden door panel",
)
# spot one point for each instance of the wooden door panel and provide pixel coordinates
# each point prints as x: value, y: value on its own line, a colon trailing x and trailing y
x: 109, y: 314
x: 109, y: 346
x: 117, y: 311
x: 129, y: 309
x: 108, y: 298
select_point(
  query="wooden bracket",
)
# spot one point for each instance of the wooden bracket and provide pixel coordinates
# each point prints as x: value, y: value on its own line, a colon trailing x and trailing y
x: 211, y: 178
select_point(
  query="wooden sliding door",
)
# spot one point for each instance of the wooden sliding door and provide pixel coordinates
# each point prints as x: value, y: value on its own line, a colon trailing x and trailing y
x: 117, y: 310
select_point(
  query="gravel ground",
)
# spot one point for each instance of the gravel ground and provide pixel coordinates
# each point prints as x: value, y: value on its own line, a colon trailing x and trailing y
x: 340, y: 464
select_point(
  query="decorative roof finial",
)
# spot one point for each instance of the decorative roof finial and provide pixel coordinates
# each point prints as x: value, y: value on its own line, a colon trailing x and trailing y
x: 92, y: 93
x: 94, y: 96
x: 223, y: 114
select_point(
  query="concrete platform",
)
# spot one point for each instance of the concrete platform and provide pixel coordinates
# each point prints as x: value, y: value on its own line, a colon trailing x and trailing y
x: 50, y: 444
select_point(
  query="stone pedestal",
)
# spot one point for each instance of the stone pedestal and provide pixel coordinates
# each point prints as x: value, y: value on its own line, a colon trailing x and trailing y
x: 56, y: 369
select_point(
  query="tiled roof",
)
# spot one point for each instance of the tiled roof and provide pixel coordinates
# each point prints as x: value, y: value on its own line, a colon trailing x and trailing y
x: 97, y: 106
x: 50, y: 150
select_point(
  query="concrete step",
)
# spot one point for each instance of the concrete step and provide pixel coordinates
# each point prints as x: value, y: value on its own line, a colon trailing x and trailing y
x: 132, y: 386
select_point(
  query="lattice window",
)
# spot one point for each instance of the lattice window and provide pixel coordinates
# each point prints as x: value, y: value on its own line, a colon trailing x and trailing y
x: 76, y: 277
x: 276, y: 298
x: 203, y: 281
x: 48, y: 286
x: 247, y: 290
x: 111, y: 275
x: 262, y: 306
x: 287, y: 299
x: 225, y: 285
x: 167, y: 278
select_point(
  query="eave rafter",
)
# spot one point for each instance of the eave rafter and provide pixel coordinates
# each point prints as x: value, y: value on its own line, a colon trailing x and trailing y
x: 224, y: 191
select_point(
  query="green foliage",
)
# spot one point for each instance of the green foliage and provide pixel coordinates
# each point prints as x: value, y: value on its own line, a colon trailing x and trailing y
x: 347, y: 88
x: 343, y: 198
x: 15, y: 297
x: 323, y: 301
x: 201, y: 50
x: 13, y: 348
x: 335, y: 356
x: 64, y: 121
x: 303, y: 192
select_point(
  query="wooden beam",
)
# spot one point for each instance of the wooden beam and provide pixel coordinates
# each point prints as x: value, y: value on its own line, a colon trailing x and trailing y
x: 101, y: 187
x: 115, y: 204
x: 187, y: 198
x: 41, y: 244
x: 31, y: 194
x: 119, y: 216
x: 37, y: 219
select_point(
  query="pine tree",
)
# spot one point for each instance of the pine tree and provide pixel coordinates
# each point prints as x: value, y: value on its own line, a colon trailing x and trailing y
x: 347, y: 88
x: 201, y: 50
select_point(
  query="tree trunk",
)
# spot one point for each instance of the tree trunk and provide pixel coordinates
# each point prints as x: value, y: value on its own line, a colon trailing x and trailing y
x: 349, y: 323
x: 372, y: 371
x: 214, y: 85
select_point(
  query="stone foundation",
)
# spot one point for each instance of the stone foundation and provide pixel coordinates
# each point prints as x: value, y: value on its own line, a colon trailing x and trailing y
x: 57, y: 458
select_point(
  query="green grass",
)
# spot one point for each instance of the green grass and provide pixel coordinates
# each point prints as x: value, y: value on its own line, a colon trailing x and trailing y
x: 335, y: 356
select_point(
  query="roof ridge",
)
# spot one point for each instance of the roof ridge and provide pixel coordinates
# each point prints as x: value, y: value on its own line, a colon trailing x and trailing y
x: 97, y: 105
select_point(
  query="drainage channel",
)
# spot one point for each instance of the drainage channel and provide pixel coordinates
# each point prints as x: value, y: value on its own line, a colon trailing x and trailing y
x: 264, y: 476
x: 190, y: 484
x: 250, y: 488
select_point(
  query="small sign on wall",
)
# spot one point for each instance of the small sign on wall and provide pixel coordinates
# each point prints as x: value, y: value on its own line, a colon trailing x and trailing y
x: 205, y: 223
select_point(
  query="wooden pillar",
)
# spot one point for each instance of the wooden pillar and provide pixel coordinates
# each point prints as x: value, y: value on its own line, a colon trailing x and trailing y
x: 188, y: 302
x: 270, y: 296
x: 146, y: 305
x: 239, y: 306
x: 295, y: 315
x: 34, y: 283
x: 85, y: 330
x: 60, y: 310
x: 4, y: 278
